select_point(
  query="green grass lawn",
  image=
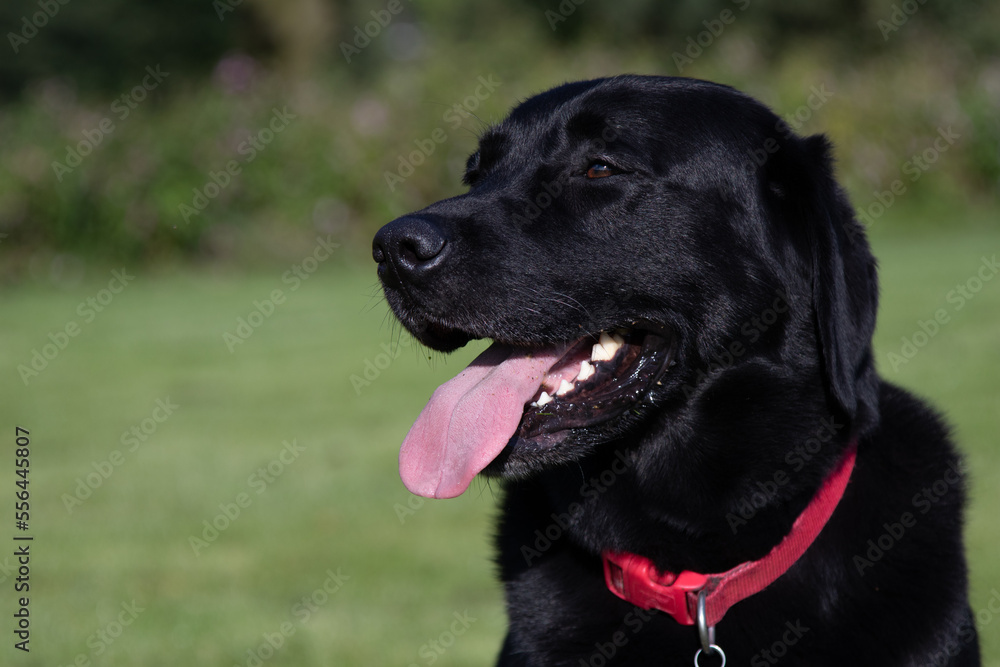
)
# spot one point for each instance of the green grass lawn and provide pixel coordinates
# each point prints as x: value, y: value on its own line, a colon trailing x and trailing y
x: 332, y: 504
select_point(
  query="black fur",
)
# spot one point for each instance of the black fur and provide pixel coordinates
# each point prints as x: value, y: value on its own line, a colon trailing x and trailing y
x: 722, y: 226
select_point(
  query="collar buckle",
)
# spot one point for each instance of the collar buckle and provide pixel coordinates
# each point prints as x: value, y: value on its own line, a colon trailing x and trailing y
x: 634, y: 579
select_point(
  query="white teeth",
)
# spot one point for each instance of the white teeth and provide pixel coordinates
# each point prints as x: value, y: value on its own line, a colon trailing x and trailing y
x: 606, y: 347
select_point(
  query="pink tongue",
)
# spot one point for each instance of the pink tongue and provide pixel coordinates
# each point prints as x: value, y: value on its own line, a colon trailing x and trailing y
x: 470, y: 419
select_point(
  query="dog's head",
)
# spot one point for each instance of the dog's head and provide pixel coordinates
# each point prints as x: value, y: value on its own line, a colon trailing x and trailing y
x: 653, y: 258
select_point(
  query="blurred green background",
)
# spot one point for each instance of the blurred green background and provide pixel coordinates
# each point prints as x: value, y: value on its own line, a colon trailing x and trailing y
x: 194, y: 335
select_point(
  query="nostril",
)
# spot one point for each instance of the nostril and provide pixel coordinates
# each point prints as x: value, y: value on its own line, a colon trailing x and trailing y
x: 420, y: 249
x: 409, y: 248
x: 408, y: 252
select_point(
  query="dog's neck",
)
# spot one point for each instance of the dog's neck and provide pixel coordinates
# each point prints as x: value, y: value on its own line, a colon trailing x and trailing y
x: 634, y: 579
x: 611, y: 501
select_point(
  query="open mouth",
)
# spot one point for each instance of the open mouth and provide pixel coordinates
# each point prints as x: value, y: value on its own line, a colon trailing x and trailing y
x: 520, y: 397
x: 596, y: 381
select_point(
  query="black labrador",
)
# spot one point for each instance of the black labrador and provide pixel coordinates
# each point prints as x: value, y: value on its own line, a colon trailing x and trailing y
x: 680, y: 392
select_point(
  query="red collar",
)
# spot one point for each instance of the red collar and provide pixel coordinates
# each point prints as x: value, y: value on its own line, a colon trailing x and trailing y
x: 634, y: 579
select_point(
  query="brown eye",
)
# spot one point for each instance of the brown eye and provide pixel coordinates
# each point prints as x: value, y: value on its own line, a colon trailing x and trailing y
x: 599, y: 170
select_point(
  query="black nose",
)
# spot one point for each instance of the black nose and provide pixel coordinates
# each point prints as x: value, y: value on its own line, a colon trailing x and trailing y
x: 408, y: 249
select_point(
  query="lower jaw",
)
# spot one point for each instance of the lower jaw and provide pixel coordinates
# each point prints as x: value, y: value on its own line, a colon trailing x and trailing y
x: 522, y: 458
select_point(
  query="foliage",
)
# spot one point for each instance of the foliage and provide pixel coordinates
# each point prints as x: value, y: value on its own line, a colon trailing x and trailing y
x: 387, y: 83
x: 101, y: 45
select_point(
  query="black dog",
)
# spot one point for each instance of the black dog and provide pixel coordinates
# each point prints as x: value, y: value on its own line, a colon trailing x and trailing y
x: 682, y: 382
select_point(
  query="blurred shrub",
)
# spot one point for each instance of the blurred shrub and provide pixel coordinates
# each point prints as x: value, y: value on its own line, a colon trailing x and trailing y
x: 101, y: 44
x: 190, y: 169
x: 778, y: 24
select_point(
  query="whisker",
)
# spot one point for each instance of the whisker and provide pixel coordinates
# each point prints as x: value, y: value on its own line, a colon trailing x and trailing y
x: 558, y: 298
x: 579, y: 305
x: 375, y: 296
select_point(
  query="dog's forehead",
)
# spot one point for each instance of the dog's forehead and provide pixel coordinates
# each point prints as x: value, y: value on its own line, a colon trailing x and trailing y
x: 563, y: 116
x: 641, y: 107
x: 584, y: 110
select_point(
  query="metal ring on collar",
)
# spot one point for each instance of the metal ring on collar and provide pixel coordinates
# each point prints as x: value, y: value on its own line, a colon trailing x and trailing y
x: 710, y: 649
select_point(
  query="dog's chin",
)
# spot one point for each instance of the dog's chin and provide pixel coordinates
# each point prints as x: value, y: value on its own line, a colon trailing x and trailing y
x: 436, y: 336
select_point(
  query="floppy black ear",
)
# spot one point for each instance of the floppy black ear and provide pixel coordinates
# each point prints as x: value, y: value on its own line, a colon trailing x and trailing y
x: 844, y: 277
